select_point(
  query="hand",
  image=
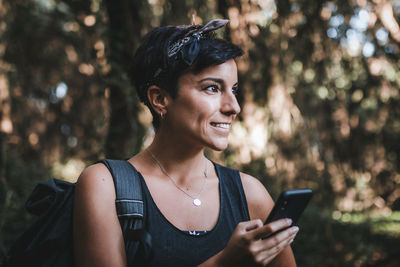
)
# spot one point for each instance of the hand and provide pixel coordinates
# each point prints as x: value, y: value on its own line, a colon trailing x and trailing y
x: 255, y: 244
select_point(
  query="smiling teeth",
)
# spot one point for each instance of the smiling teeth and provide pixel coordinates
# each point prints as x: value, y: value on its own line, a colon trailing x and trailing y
x: 222, y: 125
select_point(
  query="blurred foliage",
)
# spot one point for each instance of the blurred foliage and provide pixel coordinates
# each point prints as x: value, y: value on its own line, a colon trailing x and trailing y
x: 21, y: 178
x: 319, y: 94
x: 351, y: 239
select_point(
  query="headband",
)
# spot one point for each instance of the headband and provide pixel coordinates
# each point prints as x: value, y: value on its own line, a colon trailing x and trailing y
x: 188, y: 46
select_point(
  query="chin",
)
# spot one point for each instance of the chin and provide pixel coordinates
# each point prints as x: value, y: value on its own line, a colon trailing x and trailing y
x: 219, y: 147
x: 217, y: 143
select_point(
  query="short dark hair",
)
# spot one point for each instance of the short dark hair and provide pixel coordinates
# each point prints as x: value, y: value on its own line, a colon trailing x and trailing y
x: 152, y: 66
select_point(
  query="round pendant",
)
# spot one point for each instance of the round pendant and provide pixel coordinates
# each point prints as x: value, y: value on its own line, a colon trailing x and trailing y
x: 196, y: 202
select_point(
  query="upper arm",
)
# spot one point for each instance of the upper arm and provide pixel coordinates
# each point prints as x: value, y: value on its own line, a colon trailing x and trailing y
x: 259, y: 201
x: 97, y: 234
x: 260, y: 204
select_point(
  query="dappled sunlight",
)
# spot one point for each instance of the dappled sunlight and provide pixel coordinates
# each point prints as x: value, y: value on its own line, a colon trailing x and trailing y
x: 71, y: 26
x: 280, y: 105
x: 99, y: 46
x: 283, y: 119
x: 341, y: 117
x: 6, y: 125
x: 89, y: 20
x: 250, y: 138
x: 68, y: 171
x: 382, y: 221
x: 385, y: 12
x: 71, y: 53
x: 86, y: 69
x: 318, y: 88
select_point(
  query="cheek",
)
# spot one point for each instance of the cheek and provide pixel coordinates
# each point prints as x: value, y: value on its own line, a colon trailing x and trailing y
x: 195, y: 111
x: 205, y: 110
x: 200, y: 106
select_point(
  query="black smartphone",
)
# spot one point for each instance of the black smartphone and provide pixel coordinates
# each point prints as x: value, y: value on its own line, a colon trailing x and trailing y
x: 290, y: 204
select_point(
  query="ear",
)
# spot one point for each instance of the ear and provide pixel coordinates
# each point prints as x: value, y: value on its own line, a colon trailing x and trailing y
x: 158, y: 99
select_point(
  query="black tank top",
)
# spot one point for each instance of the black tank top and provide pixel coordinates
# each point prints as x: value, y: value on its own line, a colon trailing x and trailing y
x: 173, y: 247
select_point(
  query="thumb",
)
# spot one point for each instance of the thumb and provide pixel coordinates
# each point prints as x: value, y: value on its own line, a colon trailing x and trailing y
x: 252, y: 225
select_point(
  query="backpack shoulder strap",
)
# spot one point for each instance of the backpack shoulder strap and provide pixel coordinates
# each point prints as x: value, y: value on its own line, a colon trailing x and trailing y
x: 129, y: 197
x: 130, y: 207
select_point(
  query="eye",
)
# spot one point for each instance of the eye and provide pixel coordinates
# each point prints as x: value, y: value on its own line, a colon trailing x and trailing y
x: 235, y: 90
x: 211, y: 88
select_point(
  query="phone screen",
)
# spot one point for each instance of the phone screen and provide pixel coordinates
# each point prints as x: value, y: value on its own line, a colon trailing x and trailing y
x: 290, y: 204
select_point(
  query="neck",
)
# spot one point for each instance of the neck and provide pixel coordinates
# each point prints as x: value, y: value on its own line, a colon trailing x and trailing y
x: 182, y: 161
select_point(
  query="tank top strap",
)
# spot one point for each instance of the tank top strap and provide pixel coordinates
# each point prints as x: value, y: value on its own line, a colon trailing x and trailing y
x: 232, y: 193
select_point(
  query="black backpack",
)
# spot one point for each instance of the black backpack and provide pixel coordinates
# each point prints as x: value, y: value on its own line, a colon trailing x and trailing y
x: 48, y: 242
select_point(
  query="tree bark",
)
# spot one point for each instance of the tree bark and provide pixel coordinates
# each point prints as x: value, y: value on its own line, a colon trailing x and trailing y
x: 125, y: 132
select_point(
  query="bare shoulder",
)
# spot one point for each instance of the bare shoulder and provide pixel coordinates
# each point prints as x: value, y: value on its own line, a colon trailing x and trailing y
x: 97, y: 234
x: 258, y: 199
x: 94, y: 193
x: 96, y: 179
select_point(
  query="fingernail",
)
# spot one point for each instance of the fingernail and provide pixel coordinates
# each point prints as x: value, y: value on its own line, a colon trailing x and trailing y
x: 289, y: 221
x: 295, y: 229
x: 291, y: 241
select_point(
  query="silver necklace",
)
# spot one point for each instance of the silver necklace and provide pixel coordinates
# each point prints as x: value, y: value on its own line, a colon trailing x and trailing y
x: 196, y: 200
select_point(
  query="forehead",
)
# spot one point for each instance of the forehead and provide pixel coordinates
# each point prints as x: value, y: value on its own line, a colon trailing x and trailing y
x: 226, y: 72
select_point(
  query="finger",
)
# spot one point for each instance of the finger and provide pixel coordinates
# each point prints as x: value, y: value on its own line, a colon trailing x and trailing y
x: 271, y: 228
x: 266, y: 256
x: 288, y: 234
x: 252, y: 225
x: 269, y: 257
x: 269, y: 254
x: 281, y: 238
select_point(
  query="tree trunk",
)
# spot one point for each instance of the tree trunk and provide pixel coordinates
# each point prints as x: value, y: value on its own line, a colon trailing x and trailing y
x: 125, y: 132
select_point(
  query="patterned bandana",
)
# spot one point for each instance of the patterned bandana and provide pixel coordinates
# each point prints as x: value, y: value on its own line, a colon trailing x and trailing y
x: 188, y: 46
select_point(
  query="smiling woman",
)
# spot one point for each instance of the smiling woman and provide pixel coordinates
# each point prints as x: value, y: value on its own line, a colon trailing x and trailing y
x: 198, y: 212
x: 205, y: 106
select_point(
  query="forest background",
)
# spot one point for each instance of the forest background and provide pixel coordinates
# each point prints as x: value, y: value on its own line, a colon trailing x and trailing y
x: 319, y: 91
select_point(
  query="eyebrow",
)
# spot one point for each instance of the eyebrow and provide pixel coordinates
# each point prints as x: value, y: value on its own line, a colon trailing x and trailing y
x: 218, y: 80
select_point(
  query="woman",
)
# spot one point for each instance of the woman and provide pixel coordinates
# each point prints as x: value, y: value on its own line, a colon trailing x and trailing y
x: 199, y: 213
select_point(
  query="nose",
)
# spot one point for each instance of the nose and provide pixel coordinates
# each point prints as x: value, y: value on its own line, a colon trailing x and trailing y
x: 229, y: 105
